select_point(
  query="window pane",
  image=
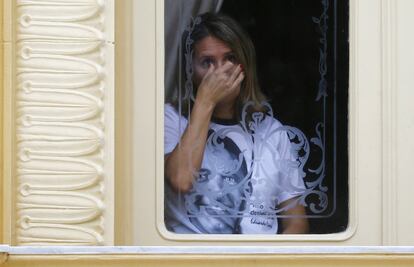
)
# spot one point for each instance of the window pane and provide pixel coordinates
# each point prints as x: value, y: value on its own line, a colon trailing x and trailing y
x: 256, y: 116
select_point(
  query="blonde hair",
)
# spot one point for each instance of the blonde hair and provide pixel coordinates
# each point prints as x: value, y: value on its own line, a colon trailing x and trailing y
x: 230, y: 32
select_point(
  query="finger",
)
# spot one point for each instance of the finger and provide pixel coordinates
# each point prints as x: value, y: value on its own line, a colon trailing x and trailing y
x: 238, y: 81
x: 209, y: 72
x: 235, y: 73
x: 224, y: 68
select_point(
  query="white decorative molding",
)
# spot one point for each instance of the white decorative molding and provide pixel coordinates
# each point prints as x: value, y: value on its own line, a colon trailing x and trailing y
x: 63, y: 122
x: 211, y: 250
x: 389, y: 119
x: 353, y: 120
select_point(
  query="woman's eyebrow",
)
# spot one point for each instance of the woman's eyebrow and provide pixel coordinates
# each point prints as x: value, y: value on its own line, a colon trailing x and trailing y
x: 205, y: 57
x: 208, y: 52
x: 205, y: 54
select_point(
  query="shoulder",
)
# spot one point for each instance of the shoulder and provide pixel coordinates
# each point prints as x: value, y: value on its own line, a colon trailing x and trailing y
x: 170, y: 109
x: 270, y: 123
x: 275, y: 123
x: 273, y: 131
x: 173, y: 120
x: 171, y: 113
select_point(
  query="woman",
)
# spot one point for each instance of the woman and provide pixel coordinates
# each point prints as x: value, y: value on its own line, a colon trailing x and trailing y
x: 223, y: 155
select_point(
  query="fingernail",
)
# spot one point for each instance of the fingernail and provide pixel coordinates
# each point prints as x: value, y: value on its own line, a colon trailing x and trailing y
x: 241, y: 67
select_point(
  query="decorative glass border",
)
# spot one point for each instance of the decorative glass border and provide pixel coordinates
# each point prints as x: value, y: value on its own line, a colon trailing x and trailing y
x: 316, y: 186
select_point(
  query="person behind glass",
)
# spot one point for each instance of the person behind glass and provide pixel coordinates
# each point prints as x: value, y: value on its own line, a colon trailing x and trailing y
x: 224, y: 81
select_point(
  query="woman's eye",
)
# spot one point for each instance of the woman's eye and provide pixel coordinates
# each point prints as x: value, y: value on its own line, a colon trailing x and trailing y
x: 206, y: 63
x: 232, y: 59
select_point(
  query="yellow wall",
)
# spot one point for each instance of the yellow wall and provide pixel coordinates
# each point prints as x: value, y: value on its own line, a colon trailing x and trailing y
x: 1, y: 118
x: 210, y: 261
x: 126, y: 235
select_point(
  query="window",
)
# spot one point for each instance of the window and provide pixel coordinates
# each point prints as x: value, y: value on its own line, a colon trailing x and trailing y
x: 294, y: 162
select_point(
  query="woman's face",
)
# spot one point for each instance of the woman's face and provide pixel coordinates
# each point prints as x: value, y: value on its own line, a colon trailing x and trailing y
x: 211, y: 51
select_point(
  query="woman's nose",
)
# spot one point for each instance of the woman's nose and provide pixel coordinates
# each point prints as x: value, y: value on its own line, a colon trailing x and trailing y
x: 220, y: 63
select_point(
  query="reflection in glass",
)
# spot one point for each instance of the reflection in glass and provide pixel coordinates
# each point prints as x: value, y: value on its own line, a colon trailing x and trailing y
x: 231, y: 167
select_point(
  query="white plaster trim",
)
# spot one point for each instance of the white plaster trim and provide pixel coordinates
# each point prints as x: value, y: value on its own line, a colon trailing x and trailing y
x: 207, y: 250
x: 353, y: 119
x: 389, y: 122
x: 353, y: 145
x: 63, y: 99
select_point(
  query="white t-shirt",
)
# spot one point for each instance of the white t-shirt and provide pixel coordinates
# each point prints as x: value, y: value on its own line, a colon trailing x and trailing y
x: 247, y: 170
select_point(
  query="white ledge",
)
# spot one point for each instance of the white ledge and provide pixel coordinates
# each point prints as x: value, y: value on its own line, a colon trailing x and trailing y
x: 206, y: 250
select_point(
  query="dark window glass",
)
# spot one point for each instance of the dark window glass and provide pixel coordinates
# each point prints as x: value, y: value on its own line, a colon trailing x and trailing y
x: 302, y: 56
